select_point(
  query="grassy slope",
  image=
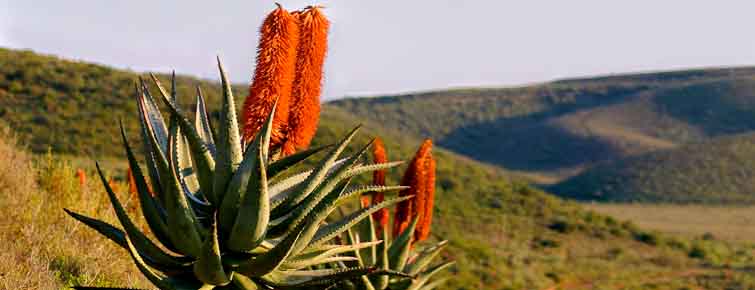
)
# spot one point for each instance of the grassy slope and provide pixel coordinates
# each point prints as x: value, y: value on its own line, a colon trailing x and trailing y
x: 48, y: 101
x: 504, y: 235
x: 557, y: 130
x: 716, y: 171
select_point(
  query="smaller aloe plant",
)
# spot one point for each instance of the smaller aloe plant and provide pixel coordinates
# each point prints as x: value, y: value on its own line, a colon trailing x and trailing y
x: 399, y: 254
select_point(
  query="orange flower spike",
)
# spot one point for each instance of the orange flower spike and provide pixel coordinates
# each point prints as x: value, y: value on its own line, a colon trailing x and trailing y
x: 378, y: 156
x: 378, y: 178
x: 421, y: 162
x: 304, y: 113
x: 426, y: 219
x: 414, y: 177
x: 273, y: 75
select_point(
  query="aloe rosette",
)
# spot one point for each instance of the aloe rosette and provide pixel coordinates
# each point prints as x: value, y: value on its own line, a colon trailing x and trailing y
x: 228, y: 215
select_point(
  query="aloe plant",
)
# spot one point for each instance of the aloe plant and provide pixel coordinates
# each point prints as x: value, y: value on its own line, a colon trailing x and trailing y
x: 228, y: 215
x: 399, y: 255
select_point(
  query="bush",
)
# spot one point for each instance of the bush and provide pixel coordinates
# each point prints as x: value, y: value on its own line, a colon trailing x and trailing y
x: 648, y: 238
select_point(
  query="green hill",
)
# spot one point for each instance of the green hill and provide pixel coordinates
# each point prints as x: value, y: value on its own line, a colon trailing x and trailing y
x: 716, y: 171
x: 73, y: 107
x: 503, y: 233
x: 560, y: 128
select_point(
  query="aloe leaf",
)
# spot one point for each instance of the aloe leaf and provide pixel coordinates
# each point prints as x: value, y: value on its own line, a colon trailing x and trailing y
x: 189, y: 173
x: 182, y: 223
x: 381, y: 281
x: 271, y: 260
x: 314, y: 278
x: 209, y: 267
x: 153, y: 212
x: 149, y: 157
x: 317, y: 216
x: 203, y: 160
x: 353, y: 238
x: 366, y: 232
x: 142, y: 243
x: 112, y: 233
x: 119, y: 237
x: 366, y: 283
x: 243, y: 282
x: 159, y: 280
x: 330, y: 231
x: 283, y: 164
x: 153, y: 117
x: 398, y: 253
x: 180, y: 163
x: 329, y: 250
x: 434, y: 284
x: 425, y: 276
x: 172, y: 126
x: 202, y: 122
x: 321, y: 261
x: 280, y: 190
x: 254, y: 212
x: 156, y: 279
x: 153, y: 134
x: 248, y: 170
x: 302, y: 211
x: 357, y: 170
x: 228, y: 144
x: 313, y: 199
x: 323, y: 256
x: 359, y: 190
x: 177, y: 142
x: 424, y: 258
x: 313, y: 180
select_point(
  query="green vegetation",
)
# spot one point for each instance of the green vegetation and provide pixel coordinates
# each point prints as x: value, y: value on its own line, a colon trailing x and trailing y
x: 503, y: 234
x: 716, y: 171
x: 73, y: 107
x: 509, y: 127
x: 668, y: 137
x: 40, y: 247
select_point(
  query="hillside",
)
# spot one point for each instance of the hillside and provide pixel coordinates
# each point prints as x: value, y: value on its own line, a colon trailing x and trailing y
x: 716, y: 171
x: 49, y: 101
x: 503, y: 234
x: 560, y: 128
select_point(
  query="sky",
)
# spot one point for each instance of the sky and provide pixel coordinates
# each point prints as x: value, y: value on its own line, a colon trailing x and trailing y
x: 393, y: 46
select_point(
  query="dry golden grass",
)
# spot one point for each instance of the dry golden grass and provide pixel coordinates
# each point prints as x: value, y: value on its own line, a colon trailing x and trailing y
x: 732, y: 223
x: 40, y: 246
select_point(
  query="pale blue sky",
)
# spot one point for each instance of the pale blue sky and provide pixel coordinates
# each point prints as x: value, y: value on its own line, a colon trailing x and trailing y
x: 394, y: 46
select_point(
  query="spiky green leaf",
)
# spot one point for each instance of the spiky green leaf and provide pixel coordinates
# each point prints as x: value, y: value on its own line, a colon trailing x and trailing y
x: 398, y: 252
x: 203, y: 160
x: 228, y: 144
x: 209, y: 266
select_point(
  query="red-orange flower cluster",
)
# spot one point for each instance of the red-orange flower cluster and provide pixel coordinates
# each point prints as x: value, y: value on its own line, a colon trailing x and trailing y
x: 273, y: 76
x: 82, y: 177
x: 131, y: 183
x: 420, y: 177
x: 304, y: 113
x: 290, y: 59
x: 378, y: 178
